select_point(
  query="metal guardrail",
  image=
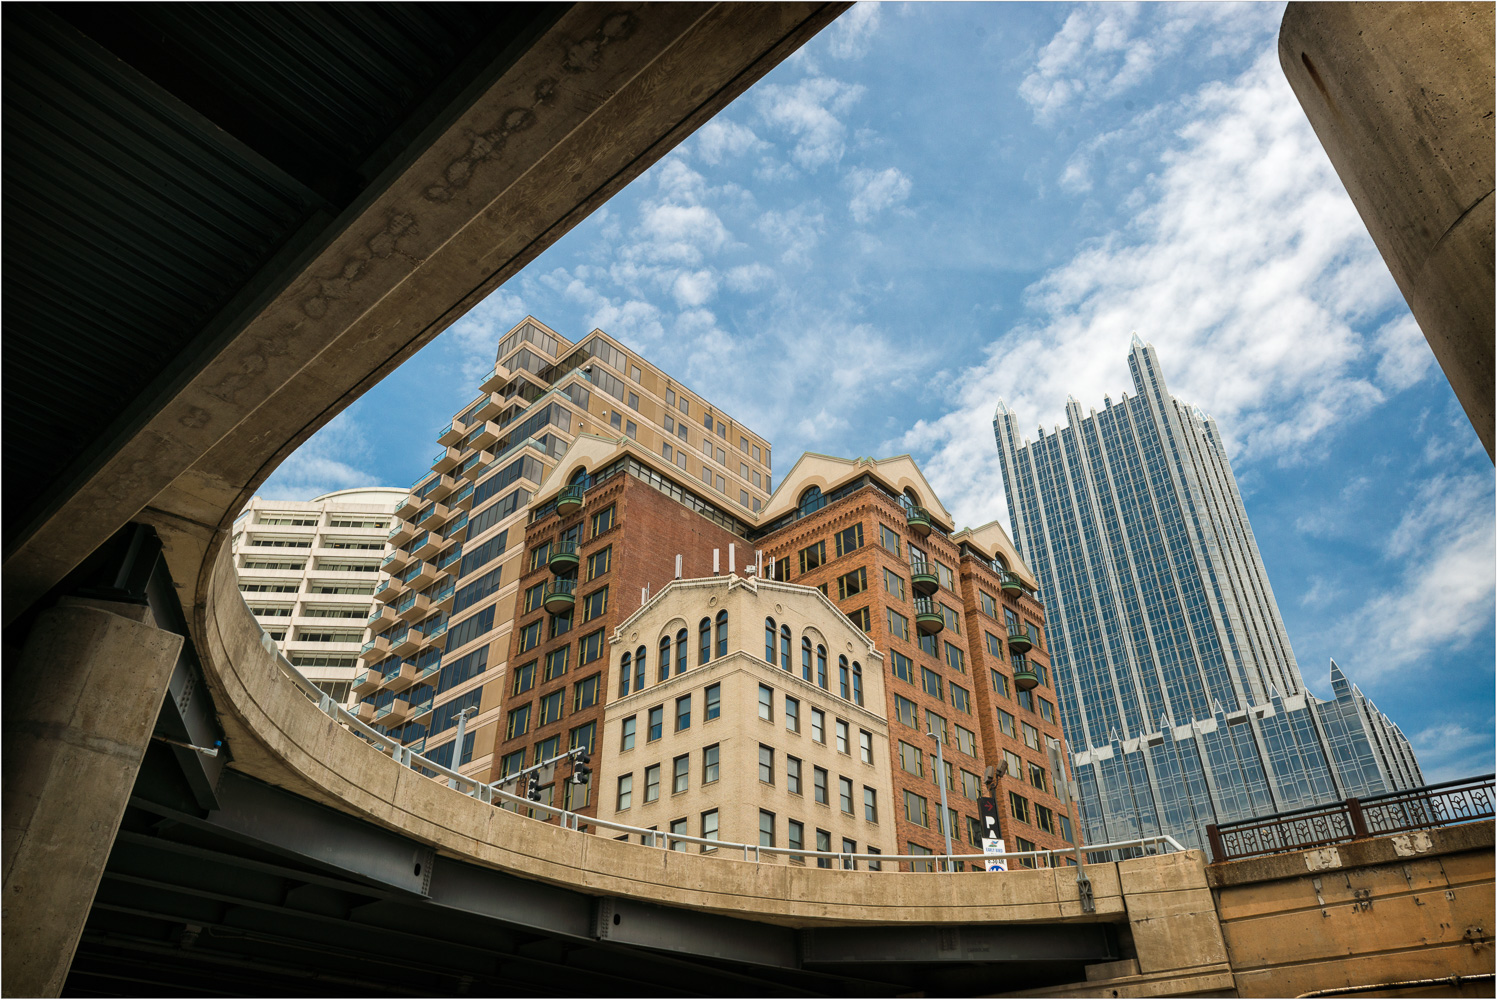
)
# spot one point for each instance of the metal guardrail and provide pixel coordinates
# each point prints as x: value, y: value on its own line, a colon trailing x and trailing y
x: 497, y: 796
x: 1449, y: 803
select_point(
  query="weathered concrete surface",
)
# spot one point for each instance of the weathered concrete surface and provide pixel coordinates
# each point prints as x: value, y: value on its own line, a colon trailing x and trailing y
x: 1389, y: 909
x: 1400, y: 95
x: 600, y: 97
x: 79, y: 713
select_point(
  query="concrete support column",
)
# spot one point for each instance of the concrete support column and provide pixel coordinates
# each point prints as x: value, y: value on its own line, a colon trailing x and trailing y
x: 1400, y: 95
x: 79, y: 712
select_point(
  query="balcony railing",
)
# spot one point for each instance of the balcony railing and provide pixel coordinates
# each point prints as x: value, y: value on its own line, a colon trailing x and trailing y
x: 928, y: 616
x: 1019, y: 640
x: 1450, y: 803
x: 923, y: 579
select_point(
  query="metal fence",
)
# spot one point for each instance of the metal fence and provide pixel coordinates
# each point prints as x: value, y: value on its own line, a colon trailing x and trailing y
x: 497, y: 796
x: 1449, y: 803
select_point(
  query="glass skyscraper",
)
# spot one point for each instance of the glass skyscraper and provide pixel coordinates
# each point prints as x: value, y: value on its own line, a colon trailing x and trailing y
x: 1180, y: 695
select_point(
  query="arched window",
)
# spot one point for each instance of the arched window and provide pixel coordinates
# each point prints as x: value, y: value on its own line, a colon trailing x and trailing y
x: 579, y: 476
x: 811, y: 501
x: 908, y: 500
x: 665, y: 657
x: 681, y: 652
x: 784, y: 647
x: 857, y: 683
x: 722, y: 633
x: 805, y: 657
x: 844, y: 682
x: 639, y: 669
x: 821, y: 666
x: 704, y: 636
x: 769, y: 641
x: 624, y: 667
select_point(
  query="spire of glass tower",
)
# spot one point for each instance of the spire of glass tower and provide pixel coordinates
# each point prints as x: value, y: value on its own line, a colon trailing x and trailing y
x: 1181, y: 697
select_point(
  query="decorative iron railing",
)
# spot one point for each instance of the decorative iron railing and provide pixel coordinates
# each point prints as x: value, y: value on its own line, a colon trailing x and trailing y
x: 1449, y: 803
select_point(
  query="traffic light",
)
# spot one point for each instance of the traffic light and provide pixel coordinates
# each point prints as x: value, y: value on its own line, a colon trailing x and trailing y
x: 533, y: 787
x: 580, y: 771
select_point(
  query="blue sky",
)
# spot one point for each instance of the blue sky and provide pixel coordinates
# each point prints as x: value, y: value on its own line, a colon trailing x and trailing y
x: 932, y: 206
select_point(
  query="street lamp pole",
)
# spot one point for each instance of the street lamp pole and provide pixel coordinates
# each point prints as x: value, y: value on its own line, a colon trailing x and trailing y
x: 457, y: 744
x: 941, y: 783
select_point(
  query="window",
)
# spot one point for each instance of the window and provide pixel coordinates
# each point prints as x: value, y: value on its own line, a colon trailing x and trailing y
x: 792, y: 774
x: 683, y: 713
x: 956, y: 659
x: 769, y: 637
x: 931, y: 682
x: 550, y: 708
x: 904, y: 667
x: 844, y: 789
x: 599, y: 562
x: 961, y: 699
x: 1047, y: 710
x: 818, y: 725
x: 585, y: 693
x: 820, y: 667
x: 722, y: 633
x: 539, y: 555
x: 766, y: 828
x: 766, y: 703
x: 663, y: 672
x: 971, y: 785
x: 849, y: 539
x: 904, y: 711
x: 818, y: 784
x: 870, y: 804
x: 843, y: 680
x: 1015, y: 763
x: 665, y: 449
x: 511, y: 763
x: 852, y: 584
x: 911, y: 759
x: 995, y: 648
x: 713, y: 697
x: 792, y: 714
x: 1018, y: 805
x: 1039, y: 778
x: 722, y: 432
x: 857, y: 682
x: 805, y: 657
x: 709, y: 764
x: 639, y: 671
x: 988, y: 603
x: 812, y: 556
x: 709, y: 828
x: 865, y: 746
x: 595, y: 604
x: 656, y: 723
x: 899, y: 625
x: 652, y: 782
x: 684, y: 406
x: 766, y: 764
x: 670, y: 399
x: 626, y: 791
x: 966, y: 741
x: 937, y: 724
x: 1025, y: 700
x: 704, y: 634
x: 1031, y: 736
x: 707, y: 421
x: 626, y: 741
x: 743, y: 498
x: 915, y: 809
x: 533, y: 597
x: 785, y: 647
x: 1065, y: 828
x: 556, y: 663
x: 1000, y: 683
x: 524, y: 678
x: 888, y: 538
x: 602, y: 520
x: 974, y: 831
x: 1044, y: 818
x: 616, y: 419
x: 590, y: 648
x: 519, y: 722
x: 680, y: 775
x: 1005, y: 723
x: 823, y: 843
x: 681, y: 652
x: 861, y: 618
x: 530, y: 636
x: 756, y: 454
x: 943, y: 573
x: 842, y: 736
x: 678, y: 826
x: 795, y: 839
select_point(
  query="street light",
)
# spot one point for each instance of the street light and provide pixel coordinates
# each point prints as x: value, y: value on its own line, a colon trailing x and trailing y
x: 941, y: 783
x: 457, y: 744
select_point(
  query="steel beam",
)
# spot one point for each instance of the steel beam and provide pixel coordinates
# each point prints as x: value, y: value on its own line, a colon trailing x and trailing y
x: 959, y: 943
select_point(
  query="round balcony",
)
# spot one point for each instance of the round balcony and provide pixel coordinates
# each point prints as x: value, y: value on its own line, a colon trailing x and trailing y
x: 1018, y: 640
x: 569, y: 500
x: 918, y: 520
x: 559, y: 596
x: 928, y: 617
x: 923, y: 580
x: 1025, y: 678
x: 563, y: 558
x: 1012, y: 586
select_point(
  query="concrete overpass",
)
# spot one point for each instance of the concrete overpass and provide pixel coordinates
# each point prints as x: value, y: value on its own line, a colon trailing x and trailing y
x: 191, y: 298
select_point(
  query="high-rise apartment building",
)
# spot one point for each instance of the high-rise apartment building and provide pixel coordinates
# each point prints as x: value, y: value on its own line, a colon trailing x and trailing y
x: 1181, y: 697
x: 948, y: 618
x: 308, y: 572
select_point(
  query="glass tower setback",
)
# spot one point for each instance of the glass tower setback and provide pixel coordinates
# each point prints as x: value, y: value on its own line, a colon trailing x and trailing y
x: 1180, y: 694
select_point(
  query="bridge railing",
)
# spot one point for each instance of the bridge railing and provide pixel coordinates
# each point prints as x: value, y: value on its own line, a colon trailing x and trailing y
x: 1449, y: 803
x: 497, y: 796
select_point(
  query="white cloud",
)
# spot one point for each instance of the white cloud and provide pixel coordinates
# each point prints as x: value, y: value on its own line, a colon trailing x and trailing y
x: 852, y: 32
x: 1449, y: 751
x: 720, y: 140
x: 874, y: 191
x: 1106, y: 50
x: 794, y: 232
x: 749, y: 277
x: 680, y: 233
x: 807, y: 112
x: 325, y: 462
x: 476, y: 335
x: 1245, y: 264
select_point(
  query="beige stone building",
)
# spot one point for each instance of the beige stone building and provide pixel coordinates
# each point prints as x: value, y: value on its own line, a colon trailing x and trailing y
x: 308, y: 571
x: 725, y: 720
